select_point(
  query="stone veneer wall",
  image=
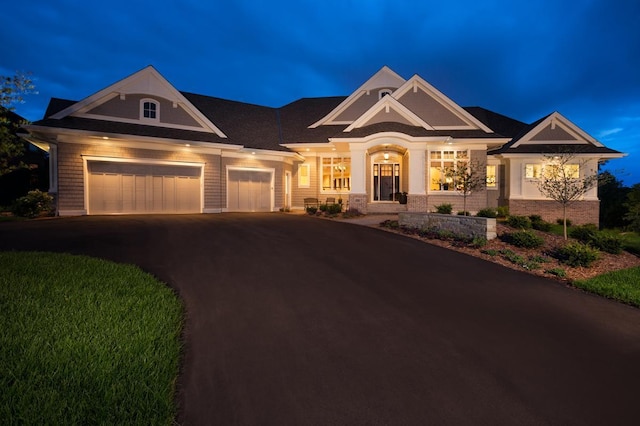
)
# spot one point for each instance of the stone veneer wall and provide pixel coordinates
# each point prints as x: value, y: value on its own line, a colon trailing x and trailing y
x: 579, y: 213
x: 359, y: 202
x: 467, y: 226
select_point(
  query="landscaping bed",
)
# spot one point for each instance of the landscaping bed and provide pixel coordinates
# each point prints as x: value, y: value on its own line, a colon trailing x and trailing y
x: 492, y: 251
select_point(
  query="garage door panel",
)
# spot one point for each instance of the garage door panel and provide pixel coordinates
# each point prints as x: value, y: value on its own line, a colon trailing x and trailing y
x: 143, y: 188
x: 249, y: 190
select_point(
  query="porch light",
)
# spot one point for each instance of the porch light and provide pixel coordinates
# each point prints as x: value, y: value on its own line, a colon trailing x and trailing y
x: 386, y: 155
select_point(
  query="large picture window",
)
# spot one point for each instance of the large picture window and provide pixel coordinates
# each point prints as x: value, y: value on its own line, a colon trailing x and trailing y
x: 441, y: 165
x: 336, y: 174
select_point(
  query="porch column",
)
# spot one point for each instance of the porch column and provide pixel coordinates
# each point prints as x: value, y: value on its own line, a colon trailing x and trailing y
x: 417, y: 197
x: 358, y: 194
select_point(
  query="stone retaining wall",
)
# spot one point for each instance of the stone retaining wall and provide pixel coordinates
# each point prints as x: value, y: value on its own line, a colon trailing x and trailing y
x: 468, y: 226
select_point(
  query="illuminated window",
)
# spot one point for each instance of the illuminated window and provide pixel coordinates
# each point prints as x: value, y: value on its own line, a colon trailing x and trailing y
x: 336, y: 174
x: 442, y: 164
x: 149, y: 109
x: 304, y: 179
x: 491, y: 176
x: 532, y: 171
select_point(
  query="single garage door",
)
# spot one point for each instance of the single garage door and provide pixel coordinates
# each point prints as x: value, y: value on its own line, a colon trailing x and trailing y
x: 249, y: 190
x: 131, y: 188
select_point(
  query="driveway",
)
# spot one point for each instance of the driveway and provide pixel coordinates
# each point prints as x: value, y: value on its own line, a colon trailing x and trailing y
x: 293, y: 320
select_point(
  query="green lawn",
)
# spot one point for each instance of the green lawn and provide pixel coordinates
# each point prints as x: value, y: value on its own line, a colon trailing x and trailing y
x: 623, y: 285
x: 85, y: 341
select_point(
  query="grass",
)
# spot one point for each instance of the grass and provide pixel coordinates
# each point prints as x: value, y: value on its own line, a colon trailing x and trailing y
x: 85, y: 341
x: 623, y: 285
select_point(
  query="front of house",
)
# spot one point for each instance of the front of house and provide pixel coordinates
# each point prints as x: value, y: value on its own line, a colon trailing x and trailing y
x: 142, y: 146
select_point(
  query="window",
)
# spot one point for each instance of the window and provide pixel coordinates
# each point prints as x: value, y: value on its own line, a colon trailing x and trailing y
x: 441, y: 166
x: 303, y: 176
x: 149, y: 109
x: 384, y: 92
x: 532, y: 171
x: 552, y: 171
x: 491, y: 176
x: 336, y: 174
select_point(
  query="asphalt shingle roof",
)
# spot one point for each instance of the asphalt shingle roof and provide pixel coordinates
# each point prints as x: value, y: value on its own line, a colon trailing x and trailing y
x: 260, y: 127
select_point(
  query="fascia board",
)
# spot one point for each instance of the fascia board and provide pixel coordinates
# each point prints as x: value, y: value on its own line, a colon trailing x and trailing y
x: 444, y: 100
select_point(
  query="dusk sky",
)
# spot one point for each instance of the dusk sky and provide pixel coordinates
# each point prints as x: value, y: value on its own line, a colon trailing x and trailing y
x: 521, y: 59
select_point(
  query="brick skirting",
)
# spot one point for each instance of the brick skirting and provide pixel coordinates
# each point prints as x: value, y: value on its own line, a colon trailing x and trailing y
x: 580, y: 212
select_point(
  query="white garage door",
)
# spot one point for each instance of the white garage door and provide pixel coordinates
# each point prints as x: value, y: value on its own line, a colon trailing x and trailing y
x: 249, y: 191
x: 143, y: 188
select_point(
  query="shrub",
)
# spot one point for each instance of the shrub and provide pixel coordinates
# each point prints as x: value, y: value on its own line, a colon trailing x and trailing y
x: 312, y: 210
x: 33, y: 204
x: 558, y: 272
x: 577, y: 254
x: 589, y: 234
x: 607, y: 242
x: 561, y: 222
x: 333, y: 208
x: 445, y: 208
x: 487, y: 212
x: 584, y: 233
x: 524, y: 239
x: 521, y: 222
x: 539, y: 224
x: 502, y: 211
x: 478, y: 242
x: 539, y: 259
x: 490, y: 252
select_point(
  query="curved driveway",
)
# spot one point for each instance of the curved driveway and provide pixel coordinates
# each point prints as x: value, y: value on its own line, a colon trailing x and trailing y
x: 293, y: 321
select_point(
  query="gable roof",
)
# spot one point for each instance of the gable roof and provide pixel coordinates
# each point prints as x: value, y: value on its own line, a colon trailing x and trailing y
x: 434, y: 107
x: 385, y: 78
x: 553, y: 133
x: 147, y: 81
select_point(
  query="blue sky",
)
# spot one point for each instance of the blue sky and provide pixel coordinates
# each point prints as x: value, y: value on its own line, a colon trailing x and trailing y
x: 521, y: 59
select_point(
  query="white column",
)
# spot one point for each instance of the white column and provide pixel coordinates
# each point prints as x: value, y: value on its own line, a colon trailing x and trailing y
x: 417, y: 171
x: 358, y: 170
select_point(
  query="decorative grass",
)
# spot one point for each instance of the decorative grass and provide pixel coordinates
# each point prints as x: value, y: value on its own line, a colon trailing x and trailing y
x: 85, y: 341
x: 622, y: 285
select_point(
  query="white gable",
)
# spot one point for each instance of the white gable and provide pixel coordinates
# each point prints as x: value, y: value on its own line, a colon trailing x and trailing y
x: 147, y: 82
x: 356, y: 103
x: 385, y: 110
x: 556, y: 130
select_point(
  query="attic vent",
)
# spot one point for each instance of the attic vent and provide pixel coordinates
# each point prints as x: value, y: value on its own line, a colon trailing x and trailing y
x: 384, y: 92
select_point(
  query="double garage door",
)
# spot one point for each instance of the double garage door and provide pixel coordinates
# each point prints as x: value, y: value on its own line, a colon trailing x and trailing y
x: 131, y: 188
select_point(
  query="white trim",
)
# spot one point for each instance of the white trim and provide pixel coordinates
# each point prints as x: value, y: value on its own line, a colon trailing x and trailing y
x: 416, y: 81
x: 553, y: 120
x: 385, y: 77
x: 388, y: 102
x: 150, y: 101
x: 139, y: 82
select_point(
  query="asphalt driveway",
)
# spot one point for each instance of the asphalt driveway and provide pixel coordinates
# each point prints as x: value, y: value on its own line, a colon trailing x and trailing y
x: 294, y: 320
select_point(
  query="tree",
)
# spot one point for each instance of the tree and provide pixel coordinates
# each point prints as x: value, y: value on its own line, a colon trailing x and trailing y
x: 633, y: 208
x: 612, y: 194
x: 12, y: 91
x: 468, y: 176
x: 565, y: 178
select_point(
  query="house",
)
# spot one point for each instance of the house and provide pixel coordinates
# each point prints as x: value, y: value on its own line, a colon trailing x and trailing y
x: 142, y: 146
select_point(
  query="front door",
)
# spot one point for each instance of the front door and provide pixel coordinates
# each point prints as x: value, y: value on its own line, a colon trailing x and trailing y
x: 386, y: 181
